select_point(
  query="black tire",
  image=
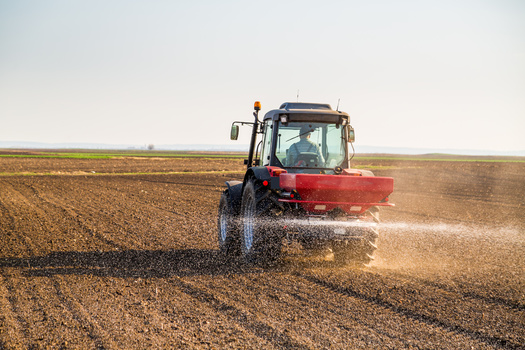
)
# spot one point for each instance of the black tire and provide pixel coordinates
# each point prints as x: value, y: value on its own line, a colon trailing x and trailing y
x: 260, y: 242
x: 359, y: 252
x: 228, y: 230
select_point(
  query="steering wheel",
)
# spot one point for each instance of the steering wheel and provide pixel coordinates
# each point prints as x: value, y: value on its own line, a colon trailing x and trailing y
x: 307, y: 159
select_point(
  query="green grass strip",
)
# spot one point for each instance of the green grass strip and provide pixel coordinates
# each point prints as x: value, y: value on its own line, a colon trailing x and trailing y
x: 66, y: 156
x: 376, y: 167
x: 81, y: 173
x: 117, y: 156
x: 415, y: 159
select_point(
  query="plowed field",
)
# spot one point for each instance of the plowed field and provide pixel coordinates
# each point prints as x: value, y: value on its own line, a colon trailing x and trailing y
x: 93, y: 256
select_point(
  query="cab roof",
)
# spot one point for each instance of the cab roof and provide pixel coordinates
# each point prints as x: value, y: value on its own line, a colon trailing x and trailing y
x: 305, y: 111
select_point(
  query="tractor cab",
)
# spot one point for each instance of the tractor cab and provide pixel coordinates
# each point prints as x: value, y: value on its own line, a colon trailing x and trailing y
x: 303, y: 138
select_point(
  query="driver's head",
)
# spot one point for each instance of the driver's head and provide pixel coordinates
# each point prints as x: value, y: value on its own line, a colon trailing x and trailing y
x: 306, y: 131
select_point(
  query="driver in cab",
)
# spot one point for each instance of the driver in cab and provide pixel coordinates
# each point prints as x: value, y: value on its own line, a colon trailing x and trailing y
x: 301, y: 153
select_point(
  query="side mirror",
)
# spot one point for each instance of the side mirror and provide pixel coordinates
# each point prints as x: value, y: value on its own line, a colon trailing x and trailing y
x: 234, y: 134
x: 350, y: 132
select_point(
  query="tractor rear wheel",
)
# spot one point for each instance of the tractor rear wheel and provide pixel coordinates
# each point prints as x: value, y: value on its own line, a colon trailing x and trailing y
x: 228, y: 229
x: 359, y: 252
x: 260, y: 242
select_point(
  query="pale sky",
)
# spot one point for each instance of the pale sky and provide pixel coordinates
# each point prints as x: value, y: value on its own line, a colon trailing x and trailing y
x: 422, y: 74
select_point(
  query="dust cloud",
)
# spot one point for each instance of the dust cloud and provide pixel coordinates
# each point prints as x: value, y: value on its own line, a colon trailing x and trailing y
x: 491, y: 257
x: 483, y: 232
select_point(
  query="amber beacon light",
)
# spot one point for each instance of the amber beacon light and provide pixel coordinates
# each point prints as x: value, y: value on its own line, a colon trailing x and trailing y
x: 257, y: 106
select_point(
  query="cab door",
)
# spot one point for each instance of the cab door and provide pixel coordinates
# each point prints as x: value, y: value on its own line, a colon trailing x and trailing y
x: 266, y: 143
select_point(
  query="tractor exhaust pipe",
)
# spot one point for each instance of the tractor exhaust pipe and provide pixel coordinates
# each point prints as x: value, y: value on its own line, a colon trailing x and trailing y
x: 257, y: 108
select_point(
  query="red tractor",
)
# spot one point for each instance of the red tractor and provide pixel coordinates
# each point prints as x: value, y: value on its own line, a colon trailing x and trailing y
x: 299, y: 186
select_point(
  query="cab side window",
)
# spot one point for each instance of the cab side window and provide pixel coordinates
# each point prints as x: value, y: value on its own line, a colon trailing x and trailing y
x: 267, y: 143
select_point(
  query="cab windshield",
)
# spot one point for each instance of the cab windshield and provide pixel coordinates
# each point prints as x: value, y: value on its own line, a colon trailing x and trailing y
x: 310, y: 145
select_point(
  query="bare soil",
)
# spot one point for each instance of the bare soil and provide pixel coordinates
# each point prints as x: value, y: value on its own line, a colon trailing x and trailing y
x: 131, y: 261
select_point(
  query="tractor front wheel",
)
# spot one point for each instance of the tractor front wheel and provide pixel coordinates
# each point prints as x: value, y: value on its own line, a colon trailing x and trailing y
x: 359, y: 252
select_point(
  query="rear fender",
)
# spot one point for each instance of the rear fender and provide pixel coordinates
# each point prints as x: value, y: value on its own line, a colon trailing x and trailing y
x: 262, y: 173
x: 235, y: 193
